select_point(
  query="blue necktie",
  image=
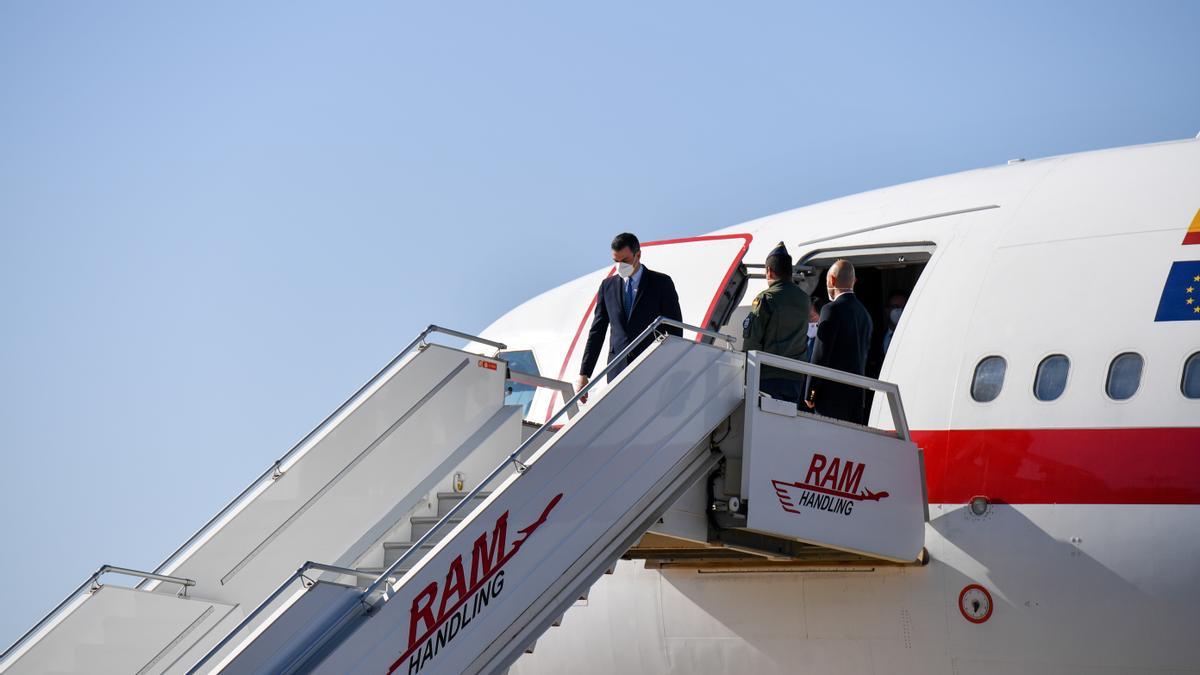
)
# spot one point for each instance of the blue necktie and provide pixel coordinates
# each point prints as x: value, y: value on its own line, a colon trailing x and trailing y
x: 628, y: 298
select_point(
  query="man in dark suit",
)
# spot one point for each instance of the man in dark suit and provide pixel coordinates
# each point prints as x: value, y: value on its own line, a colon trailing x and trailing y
x: 843, y: 339
x: 628, y: 303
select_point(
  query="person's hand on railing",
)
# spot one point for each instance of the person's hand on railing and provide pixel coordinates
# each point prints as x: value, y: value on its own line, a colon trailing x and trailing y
x: 579, y: 385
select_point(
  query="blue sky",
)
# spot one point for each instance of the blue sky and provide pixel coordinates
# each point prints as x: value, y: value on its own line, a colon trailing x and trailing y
x: 218, y: 219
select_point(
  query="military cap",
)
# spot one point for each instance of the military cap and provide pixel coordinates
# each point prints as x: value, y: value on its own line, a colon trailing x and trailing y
x: 779, y: 250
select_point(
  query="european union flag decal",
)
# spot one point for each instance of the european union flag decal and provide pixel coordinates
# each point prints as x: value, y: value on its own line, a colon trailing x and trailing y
x: 1181, y: 295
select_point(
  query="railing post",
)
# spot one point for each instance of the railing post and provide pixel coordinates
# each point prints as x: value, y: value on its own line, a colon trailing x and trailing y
x: 568, y: 407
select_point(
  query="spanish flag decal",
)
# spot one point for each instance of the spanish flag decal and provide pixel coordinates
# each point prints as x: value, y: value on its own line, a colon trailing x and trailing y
x: 1193, y: 233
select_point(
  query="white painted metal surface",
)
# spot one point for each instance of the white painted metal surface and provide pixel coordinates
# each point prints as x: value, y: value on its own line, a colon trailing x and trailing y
x: 502, y: 576
x: 357, y: 478
x: 363, y: 467
x: 1071, y: 260
x: 832, y: 485
x: 308, y: 614
x: 122, y: 630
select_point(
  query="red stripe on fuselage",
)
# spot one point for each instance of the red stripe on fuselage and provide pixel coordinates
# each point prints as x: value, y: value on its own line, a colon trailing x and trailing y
x: 1063, y: 466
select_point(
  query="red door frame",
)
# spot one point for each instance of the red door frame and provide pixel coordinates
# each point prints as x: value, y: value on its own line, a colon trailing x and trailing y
x: 712, y: 306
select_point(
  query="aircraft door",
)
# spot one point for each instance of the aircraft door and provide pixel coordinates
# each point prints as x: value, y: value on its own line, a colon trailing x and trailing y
x: 708, y: 275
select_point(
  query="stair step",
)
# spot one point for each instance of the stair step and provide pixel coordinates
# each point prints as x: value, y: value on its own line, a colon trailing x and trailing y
x: 392, y: 550
x: 530, y: 648
x: 447, y: 500
x: 558, y: 621
x: 372, y: 573
x: 423, y: 524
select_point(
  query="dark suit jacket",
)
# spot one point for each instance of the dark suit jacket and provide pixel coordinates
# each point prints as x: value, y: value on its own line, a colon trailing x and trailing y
x: 655, y: 297
x: 843, y: 339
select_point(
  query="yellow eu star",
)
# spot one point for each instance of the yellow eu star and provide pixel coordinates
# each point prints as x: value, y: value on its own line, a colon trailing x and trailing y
x: 1190, y: 300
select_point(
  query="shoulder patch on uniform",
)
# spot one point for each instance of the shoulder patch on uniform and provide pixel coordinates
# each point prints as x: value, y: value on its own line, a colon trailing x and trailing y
x: 754, y: 305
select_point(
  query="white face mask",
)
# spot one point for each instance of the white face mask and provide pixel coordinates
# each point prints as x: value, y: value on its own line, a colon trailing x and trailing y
x: 624, y: 270
x: 812, y: 330
x: 894, y: 315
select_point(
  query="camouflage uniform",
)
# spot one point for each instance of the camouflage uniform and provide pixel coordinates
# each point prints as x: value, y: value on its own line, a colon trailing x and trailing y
x: 778, y: 324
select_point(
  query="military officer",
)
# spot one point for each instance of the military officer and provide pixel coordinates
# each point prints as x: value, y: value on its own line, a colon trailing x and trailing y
x: 778, y: 324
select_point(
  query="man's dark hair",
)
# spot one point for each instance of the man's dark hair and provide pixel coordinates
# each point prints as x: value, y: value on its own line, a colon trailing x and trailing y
x: 781, y: 265
x: 626, y: 240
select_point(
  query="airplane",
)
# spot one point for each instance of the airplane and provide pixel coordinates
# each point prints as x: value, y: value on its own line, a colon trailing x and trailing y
x: 1026, y: 499
x: 1087, y: 547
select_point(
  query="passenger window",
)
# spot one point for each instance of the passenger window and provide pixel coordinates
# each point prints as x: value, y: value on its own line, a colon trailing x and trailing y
x: 515, y: 392
x: 1124, y: 376
x: 989, y: 378
x: 1191, y: 377
x: 1051, y: 378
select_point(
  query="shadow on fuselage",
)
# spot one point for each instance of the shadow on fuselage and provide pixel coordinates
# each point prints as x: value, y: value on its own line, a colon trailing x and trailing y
x: 1056, y: 609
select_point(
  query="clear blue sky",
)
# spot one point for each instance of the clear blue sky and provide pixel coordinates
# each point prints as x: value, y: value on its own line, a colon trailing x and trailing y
x: 218, y: 219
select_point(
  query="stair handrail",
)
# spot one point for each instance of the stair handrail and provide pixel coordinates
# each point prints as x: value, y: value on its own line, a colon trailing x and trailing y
x: 567, y: 406
x: 298, y: 575
x: 756, y: 359
x: 564, y: 389
x: 92, y: 583
x: 531, y: 441
x: 273, y: 472
x: 280, y: 466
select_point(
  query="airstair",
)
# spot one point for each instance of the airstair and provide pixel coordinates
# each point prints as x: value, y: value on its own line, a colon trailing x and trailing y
x: 422, y: 577
x: 336, y: 496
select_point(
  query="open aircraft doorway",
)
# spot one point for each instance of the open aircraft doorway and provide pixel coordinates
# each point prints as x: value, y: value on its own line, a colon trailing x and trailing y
x: 887, y: 277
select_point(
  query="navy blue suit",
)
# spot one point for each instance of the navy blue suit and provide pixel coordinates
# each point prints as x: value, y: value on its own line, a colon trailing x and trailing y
x: 843, y: 338
x: 656, y: 297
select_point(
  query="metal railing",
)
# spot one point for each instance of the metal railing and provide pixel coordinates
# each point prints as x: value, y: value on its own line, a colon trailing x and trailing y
x: 278, y: 468
x: 756, y: 359
x: 532, y: 440
x: 91, y: 584
x: 563, y: 388
x: 298, y: 575
x: 468, y: 499
x: 274, y: 472
x: 532, y: 380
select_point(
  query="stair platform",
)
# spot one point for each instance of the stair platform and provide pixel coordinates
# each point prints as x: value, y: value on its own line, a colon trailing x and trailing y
x: 664, y: 552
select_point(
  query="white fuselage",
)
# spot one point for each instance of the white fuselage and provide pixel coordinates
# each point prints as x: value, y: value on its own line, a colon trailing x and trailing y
x: 1090, y: 549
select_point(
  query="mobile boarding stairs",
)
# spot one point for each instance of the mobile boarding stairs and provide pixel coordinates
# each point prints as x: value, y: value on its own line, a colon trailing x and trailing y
x: 422, y: 577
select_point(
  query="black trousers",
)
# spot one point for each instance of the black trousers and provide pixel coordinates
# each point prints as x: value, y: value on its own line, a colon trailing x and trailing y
x: 782, y: 389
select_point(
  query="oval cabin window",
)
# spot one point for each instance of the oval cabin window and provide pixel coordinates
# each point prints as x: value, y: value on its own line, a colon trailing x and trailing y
x: 1051, y: 378
x: 1191, y: 377
x: 1124, y: 376
x: 989, y: 379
